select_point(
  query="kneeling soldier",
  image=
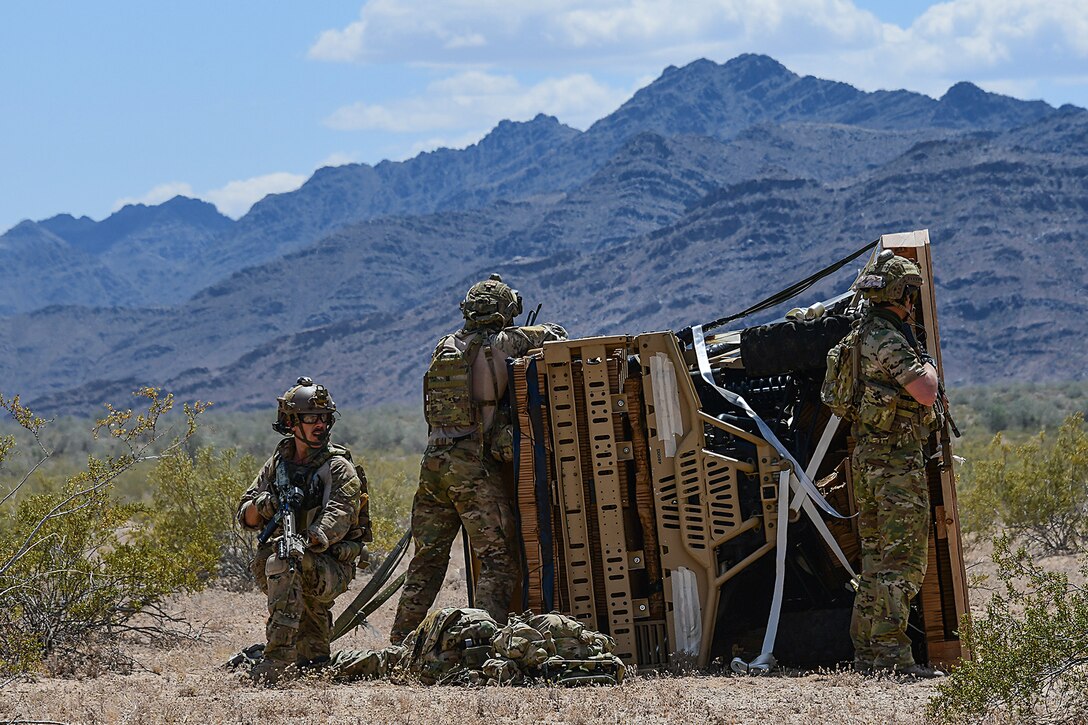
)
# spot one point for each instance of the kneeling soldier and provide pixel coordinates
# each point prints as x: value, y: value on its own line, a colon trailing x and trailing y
x: 309, y: 501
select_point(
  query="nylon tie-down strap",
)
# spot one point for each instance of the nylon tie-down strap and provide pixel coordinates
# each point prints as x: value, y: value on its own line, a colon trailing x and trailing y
x: 782, y: 295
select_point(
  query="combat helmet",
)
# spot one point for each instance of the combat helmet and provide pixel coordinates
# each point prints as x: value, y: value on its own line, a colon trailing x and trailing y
x: 888, y: 278
x: 491, y: 303
x: 301, y: 398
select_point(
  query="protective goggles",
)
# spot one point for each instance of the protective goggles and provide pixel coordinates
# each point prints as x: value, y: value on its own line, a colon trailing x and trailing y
x: 311, y: 418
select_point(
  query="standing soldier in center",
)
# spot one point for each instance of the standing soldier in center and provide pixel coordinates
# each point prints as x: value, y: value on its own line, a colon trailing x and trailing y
x: 460, y: 478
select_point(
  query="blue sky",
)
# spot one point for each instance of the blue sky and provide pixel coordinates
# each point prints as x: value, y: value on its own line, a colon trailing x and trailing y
x: 108, y: 103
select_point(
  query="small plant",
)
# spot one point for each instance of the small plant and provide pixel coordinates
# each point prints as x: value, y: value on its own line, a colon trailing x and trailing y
x: 1030, y: 650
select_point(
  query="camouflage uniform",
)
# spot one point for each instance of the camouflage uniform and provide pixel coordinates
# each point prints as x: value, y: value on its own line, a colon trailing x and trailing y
x: 299, y: 621
x: 461, y: 484
x: 891, y: 491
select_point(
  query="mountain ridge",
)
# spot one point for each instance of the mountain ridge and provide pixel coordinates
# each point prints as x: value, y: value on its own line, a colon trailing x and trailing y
x: 628, y: 226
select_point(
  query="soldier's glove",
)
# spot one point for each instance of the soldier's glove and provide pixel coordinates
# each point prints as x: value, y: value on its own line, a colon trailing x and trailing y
x: 265, y: 504
x: 316, y: 540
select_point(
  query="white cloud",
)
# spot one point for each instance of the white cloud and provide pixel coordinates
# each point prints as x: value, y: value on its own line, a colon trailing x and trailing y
x: 576, y: 31
x: 157, y: 195
x: 475, y: 98
x: 236, y: 197
x: 1006, y: 46
x: 233, y: 198
x: 998, y: 44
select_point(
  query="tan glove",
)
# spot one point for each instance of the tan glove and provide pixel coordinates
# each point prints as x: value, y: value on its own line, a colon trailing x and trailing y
x: 316, y: 540
x: 266, y: 505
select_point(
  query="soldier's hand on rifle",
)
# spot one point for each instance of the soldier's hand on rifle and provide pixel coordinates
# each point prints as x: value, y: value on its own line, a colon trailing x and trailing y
x: 315, y: 539
x: 265, y: 505
x: 291, y: 547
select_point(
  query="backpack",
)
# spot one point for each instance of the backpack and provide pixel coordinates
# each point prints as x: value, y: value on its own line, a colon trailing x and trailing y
x: 449, y: 646
x: 842, y: 382
x: 555, y: 648
x: 447, y: 386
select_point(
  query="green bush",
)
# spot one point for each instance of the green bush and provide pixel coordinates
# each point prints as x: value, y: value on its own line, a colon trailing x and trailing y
x: 74, y: 570
x: 192, y: 514
x: 1037, y: 491
x: 1029, y: 648
x: 392, y: 480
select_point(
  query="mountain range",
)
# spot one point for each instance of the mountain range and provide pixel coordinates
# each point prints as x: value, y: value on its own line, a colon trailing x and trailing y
x: 711, y: 188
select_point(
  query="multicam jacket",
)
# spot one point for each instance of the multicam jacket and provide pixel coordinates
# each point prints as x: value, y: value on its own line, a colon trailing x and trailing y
x: 887, y: 364
x: 334, y: 493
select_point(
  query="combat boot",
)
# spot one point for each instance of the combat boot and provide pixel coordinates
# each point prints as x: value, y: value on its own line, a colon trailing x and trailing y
x: 918, y: 672
x: 269, y: 673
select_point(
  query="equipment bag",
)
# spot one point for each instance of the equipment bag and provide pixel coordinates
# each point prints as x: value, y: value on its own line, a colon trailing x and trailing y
x: 842, y: 381
x: 450, y: 644
x: 554, y: 648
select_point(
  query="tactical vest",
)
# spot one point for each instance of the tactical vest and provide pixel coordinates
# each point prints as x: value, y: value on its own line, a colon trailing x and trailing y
x: 360, y: 529
x: 854, y: 398
x: 447, y: 384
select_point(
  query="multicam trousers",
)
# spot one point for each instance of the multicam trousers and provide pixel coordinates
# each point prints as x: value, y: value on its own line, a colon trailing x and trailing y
x: 299, y: 621
x: 459, y: 485
x: 893, y: 519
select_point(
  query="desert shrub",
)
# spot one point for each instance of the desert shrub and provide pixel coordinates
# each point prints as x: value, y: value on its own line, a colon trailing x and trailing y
x: 192, y: 514
x: 1017, y: 409
x: 1037, y: 491
x: 1030, y: 649
x: 392, y: 481
x: 74, y: 572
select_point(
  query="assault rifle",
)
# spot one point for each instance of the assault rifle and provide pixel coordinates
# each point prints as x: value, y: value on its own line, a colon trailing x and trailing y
x: 290, y: 546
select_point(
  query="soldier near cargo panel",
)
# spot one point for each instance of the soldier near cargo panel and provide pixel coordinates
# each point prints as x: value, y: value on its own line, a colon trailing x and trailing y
x: 460, y: 479
x: 895, y: 392
x: 318, y: 485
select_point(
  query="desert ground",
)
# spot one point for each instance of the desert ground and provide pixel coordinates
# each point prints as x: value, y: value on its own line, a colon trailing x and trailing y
x: 184, y: 684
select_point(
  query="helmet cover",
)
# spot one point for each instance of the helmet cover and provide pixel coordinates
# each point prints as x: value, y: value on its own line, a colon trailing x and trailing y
x: 888, y: 278
x: 491, y: 303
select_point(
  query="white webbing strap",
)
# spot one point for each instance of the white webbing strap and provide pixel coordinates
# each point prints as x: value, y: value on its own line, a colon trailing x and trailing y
x: 765, y: 430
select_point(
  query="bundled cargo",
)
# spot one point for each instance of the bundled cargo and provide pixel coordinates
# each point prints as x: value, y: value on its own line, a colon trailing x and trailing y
x: 691, y: 496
